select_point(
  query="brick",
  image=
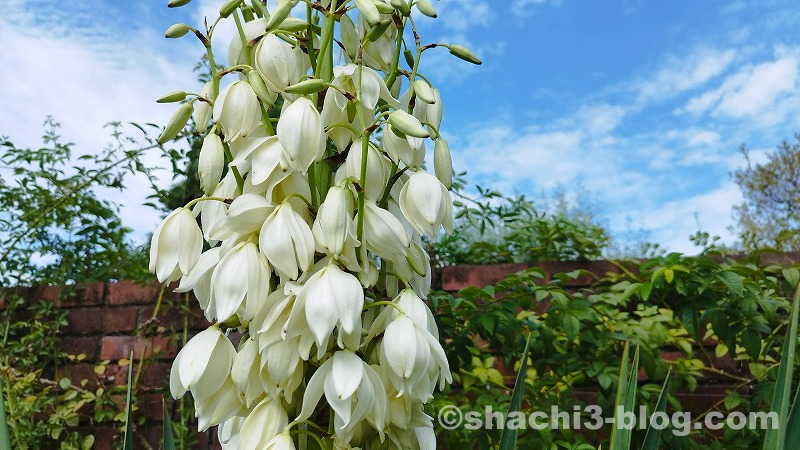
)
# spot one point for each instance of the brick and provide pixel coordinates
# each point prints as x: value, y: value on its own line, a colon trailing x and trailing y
x: 119, y: 347
x: 84, y: 321
x: 129, y: 293
x: 120, y: 319
x: 459, y: 277
x: 598, y: 268
x: 89, y: 294
x: 104, y: 438
x: 77, y: 372
x: 156, y: 375
x: 77, y: 345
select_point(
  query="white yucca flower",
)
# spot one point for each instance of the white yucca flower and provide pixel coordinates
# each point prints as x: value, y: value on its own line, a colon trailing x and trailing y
x: 237, y: 110
x: 280, y: 64
x: 301, y: 134
x: 240, y: 282
x: 175, y: 246
x: 287, y: 242
x: 426, y: 204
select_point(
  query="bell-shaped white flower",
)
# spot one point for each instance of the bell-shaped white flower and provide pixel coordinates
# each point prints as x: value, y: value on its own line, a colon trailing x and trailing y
x: 329, y: 298
x: 334, y: 116
x: 280, y: 63
x: 301, y: 135
x: 426, y: 204
x: 223, y: 404
x: 353, y: 389
x: 228, y: 433
x: 266, y: 421
x: 202, y: 365
x: 373, y: 87
x: 202, y: 109
x: 210, y: 162
x: 245, y: 215
x: 383, y: 232
x: 282, y: 441
x: 282, y: 368
x: 175, y: 246
x: 245, y: 372
x: 287, y: 242
x: 408, y: 150
x: 334, y: 224
x: 240, y: 280
x: 252, y: 30
x: 199, y: 281
x: 378, y: 171
x: 237, y: 110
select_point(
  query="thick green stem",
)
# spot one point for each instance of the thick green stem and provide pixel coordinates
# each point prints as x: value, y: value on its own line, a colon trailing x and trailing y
x: 324, y: 69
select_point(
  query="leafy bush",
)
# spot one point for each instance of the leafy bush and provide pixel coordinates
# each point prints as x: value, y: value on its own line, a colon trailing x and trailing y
x: 672, y: 302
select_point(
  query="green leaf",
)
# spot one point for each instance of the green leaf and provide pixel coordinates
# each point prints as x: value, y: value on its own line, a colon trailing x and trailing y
x: 626, y: 396
x: 733, y: 281
x: 169, y: 439
x: 508, y: 440
x: 776, y: 438
x: 690, y: 322
x: 127, y: 444
x: 5, y: 438
x: 653, y: 435
x: 792, y: 276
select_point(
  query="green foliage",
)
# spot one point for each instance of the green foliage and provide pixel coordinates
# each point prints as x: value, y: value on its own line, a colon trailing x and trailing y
x: 41, y: 407
x: 769, y: 216
x: 667, y: 303
x: 54, y: 229
x: 494, y: 229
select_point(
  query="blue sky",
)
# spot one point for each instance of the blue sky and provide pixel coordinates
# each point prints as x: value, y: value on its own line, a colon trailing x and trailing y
x: 644, y: 103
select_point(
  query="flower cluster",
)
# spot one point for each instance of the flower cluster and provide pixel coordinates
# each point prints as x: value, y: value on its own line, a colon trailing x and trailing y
x: 309, y: 237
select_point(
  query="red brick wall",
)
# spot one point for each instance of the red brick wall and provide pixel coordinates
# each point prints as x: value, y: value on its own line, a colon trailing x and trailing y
x: 106, y: 321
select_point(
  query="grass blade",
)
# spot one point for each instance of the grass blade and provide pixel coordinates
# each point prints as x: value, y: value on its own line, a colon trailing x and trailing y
x: 127, y: 444
x: 626, y: 396
x: 776, y: 438
x: 169, y: 438
x: 508, y: 440
x: 653, y: 435
x: 5, y: 438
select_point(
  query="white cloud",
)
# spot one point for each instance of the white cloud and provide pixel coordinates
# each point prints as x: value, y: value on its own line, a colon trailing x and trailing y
x: 682, y: 73
x: 86, y: 75
x: 524, y: 8
x: 755, y: 91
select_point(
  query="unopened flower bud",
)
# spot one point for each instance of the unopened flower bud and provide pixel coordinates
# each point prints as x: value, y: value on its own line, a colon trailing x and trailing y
x: 280, y: 13
x: 172, y: 97
x: 349, y: 36
x: 229, y: 7
x: 176, y: 123
x: 202, y: 112
x: 407, y: 124
x: 369, y: 11
x: 402, y: 6
x: 443, y: 162
x: 425, y: 7
x: 424, y: 91
x: 310, y: 86
x: 176, y: 31
x: 210, y: 162
x: 247, y: 13
x: 383, y: 7
x: 461, y: 52
x: 237, y: 110
x: 292, y: 25
x: 177, y: 3
x: 378, y: 30
x: 409, y: 57
x: 260, y: 88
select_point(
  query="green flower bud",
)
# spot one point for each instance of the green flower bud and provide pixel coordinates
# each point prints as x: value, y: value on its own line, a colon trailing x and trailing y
x: 172, y: 97
x: 461, y: 52
x: 369, y: 11
x: 424, y: 91
x: 402, y: 6
x: 280, y: 14
x: 177, y: 3
x: 377, y: 31
x: 176, y: 123
x: 443, y: 162
x: 425, y: 7
x: 293, y: 25
x: 310, y: 86
x: 407, y: 124
x: 229, y: 7
x: 409, y: 57
x: 260, y: 88
x: 247, y: 13
x: 176, y: 31
x: 383, y: 8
